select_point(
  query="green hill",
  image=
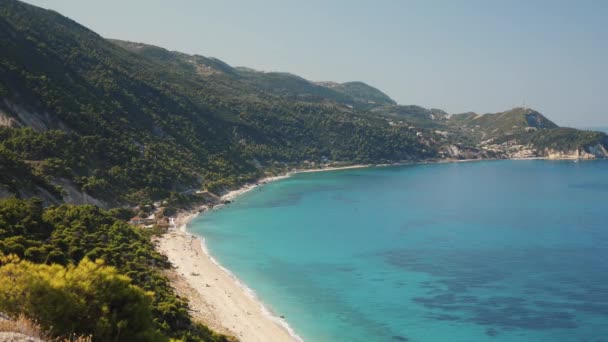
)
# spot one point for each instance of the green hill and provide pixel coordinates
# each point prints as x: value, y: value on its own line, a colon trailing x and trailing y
x: 523, y: 132
x: 513, y: 121
x: 362, y: 95
x: 414, y: 115
x: 241, y: 81
x: 135, y: 124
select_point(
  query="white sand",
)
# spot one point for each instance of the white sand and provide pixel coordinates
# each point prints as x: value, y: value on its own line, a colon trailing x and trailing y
x: 216, y: 296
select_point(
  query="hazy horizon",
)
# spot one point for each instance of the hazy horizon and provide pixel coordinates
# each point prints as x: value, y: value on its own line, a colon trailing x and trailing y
x: 471, y: 56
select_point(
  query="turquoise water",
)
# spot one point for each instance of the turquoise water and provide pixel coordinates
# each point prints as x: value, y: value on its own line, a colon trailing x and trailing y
x: 483, y: 251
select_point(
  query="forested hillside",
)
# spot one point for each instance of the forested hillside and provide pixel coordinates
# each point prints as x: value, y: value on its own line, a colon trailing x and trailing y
x: 126, y: 290
x: 132, y: 127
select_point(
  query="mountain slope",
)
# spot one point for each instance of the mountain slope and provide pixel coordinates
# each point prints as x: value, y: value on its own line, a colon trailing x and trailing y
x: 363, y: 95
x: 415, y: 115
x: 523, y: 132
x: 134, y: 127
x: 245, y: 80
x: 467, y: 131
x: 508, y: 122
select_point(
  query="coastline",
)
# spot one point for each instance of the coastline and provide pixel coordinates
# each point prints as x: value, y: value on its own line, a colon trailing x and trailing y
x: 217, y: 297
x: 231, y: 195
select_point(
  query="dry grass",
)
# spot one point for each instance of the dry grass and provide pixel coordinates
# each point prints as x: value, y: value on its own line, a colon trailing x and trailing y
x: 23, y: 325
x: 27, y: 327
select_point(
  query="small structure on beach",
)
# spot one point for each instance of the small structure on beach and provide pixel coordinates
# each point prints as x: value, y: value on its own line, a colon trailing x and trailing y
x: 140, y: 221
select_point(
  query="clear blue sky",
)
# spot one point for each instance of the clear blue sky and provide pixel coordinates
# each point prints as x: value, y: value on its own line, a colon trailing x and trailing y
x: 482, y: 56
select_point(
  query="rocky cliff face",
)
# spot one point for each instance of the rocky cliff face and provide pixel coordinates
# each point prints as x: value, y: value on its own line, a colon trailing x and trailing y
x: 73, y: 195
x: 22, y: 117
x: 588, y: 152
x: 8, y: 121
x: 514, y: 149
x: 598, y: 151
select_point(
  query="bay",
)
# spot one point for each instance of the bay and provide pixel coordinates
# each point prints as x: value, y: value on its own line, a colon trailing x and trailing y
x: 492, y: 250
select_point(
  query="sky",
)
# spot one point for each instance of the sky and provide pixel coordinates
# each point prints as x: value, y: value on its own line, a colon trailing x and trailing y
x: 459, y: 56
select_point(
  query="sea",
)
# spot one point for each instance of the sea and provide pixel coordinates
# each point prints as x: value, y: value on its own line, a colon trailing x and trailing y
x: 476, y: 251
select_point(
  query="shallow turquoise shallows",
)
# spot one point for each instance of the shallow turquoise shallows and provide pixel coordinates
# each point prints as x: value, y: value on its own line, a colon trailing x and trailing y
x: 481, y: 251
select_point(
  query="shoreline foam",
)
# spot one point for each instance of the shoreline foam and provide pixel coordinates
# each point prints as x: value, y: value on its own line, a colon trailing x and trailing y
x: 176, y: 257
x: 177, y: 245
x: 216, y: 295
x: 247, y: 290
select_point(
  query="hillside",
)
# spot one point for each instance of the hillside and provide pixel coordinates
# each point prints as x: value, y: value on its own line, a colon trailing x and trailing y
x: 363, y: 95
x: 246, y: 81
x: 524, y: 132
x: 134, y: 125
x: 415, y: 115
x: 48, y: 275
x: 513, y: 121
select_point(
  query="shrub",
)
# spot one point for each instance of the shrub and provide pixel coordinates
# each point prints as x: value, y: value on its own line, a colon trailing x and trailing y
x: 87, y: 299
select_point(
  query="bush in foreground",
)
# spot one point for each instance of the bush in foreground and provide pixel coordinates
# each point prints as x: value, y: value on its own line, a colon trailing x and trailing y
x: 89, y: 299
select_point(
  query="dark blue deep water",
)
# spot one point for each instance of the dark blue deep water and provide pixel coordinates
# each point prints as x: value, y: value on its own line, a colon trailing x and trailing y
x: 481, y: 251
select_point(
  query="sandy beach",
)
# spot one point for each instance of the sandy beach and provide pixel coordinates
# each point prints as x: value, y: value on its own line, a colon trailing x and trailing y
x: 217, y: 298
